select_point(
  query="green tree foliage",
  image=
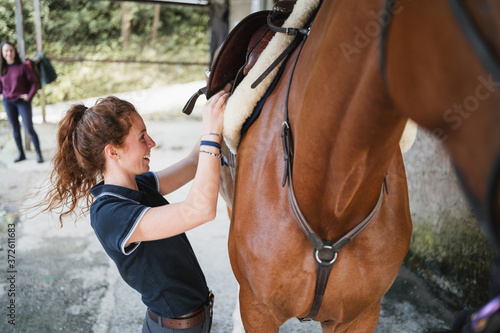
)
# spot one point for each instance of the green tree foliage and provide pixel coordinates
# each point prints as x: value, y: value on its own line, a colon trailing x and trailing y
x: 88, y: 23
x: 8, y: 19
x: 81, y: 22
x: 92, y: 30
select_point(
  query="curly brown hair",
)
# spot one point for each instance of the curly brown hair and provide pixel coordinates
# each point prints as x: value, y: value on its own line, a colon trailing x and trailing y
x: 79, y: 161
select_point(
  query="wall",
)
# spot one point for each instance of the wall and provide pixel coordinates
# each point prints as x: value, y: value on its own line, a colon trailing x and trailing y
x: 239, y: 9
x: 448, y: 249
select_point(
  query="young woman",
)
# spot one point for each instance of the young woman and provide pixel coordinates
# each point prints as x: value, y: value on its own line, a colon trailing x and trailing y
x: 138, y: 228
x: 18, y: 86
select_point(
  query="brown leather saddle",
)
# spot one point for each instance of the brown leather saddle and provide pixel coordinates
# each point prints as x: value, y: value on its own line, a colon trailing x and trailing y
x: 241, y: 49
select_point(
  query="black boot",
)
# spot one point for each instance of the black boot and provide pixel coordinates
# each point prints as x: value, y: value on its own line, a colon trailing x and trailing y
x: 20, y: 157
x: 39, y: 158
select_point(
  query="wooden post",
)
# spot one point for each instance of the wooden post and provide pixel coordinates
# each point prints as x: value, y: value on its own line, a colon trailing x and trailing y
x: 20, y: 30
x: 39, y: 49
x: 155, y: 22
x: 125, y: 24
x: 21, y: 51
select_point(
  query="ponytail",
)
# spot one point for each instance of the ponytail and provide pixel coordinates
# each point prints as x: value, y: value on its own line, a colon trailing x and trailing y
x: 79, y: 161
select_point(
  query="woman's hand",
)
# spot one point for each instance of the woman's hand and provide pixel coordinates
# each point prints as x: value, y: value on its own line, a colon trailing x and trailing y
x: 24, y: 97
x: 213, y: 112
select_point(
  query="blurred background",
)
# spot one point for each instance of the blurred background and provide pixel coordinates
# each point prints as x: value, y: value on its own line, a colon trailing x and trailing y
x: 99, y: 48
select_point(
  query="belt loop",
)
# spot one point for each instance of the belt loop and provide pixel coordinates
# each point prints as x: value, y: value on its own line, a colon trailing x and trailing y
x: 159, y: 321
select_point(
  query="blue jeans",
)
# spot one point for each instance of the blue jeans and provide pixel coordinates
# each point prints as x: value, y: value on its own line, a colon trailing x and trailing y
x: 22, y: 108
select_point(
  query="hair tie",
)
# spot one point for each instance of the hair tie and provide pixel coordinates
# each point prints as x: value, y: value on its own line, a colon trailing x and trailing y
x: 82, y: 111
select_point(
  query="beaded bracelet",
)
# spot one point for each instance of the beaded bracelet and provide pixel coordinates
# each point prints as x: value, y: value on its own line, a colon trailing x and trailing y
x: 219, y: 156
x: 210, y: 143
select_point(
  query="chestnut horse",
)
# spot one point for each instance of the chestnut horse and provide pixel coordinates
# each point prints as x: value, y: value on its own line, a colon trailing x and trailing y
x: 348, y: 103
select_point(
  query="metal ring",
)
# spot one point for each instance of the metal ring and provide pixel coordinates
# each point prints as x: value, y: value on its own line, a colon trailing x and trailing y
x: 316, y: 255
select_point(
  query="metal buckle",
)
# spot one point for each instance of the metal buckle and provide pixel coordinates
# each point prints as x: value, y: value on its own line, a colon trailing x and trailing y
x: 284, y: 128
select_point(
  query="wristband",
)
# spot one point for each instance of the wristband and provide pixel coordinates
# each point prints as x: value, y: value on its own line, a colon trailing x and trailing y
x: 210, y: 143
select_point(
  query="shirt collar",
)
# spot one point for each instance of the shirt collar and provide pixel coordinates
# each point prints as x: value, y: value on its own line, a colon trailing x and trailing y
x: 119, y: 191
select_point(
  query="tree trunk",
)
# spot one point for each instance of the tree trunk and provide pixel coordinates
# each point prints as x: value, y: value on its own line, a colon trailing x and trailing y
x: 125, y: 24
x: 155, y: 22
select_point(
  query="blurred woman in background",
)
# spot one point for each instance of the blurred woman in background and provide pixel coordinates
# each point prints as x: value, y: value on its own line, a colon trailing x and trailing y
x: 18, y: 86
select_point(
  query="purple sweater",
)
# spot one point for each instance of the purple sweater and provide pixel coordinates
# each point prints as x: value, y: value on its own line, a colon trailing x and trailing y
x: 18, y: 80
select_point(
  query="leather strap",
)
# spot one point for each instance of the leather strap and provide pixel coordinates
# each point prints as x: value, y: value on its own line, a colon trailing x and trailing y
x: 389, y: 5
x: 282, y: 10
x: 189, y: 320
x: 475, y: 38
x: 193, y: 319
x: 486, y: 211
x: 295, y: 42
x: 188, y: 108
x: 325, y: 252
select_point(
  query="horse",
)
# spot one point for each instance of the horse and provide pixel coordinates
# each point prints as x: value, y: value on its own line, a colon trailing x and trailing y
x: 462, y: 112
x: 341, y: 103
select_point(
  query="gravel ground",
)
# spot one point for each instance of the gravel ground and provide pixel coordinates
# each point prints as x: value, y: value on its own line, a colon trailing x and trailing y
x: 64, y: 282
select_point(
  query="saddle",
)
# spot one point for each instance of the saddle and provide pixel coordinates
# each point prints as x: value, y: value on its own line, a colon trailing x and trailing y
x: 241, y: 49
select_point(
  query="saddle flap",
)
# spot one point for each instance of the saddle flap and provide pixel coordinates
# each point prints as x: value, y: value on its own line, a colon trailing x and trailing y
x: 258, y: 43
x: 231, y: 56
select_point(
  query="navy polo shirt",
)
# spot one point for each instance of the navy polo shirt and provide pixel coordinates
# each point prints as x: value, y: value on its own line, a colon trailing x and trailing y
x: 165, y: 272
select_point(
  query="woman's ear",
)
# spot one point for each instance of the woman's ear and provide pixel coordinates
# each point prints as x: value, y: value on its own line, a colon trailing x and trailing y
x: 111, y: 152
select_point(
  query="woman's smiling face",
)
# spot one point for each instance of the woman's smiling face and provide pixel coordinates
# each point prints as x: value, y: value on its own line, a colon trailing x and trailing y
x: 136, y: 151
x: 9, y: 53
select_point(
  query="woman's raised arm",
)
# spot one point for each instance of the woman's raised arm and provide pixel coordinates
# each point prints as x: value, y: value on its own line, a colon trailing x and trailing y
x: 201, y: 202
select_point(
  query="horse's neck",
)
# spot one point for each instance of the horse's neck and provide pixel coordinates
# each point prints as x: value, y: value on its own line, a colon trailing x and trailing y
x: 344, y: 152
x: 444, y: 86
x: 342, y: 117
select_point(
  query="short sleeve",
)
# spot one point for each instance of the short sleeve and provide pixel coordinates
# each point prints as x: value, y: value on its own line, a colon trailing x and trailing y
x: 150, y: 178
x: 114, y: 221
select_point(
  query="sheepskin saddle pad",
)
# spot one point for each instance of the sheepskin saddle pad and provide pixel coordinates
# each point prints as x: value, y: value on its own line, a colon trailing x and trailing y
x: 260, y: 66
x: 235, y: 56
x: 247, y: 59
x: 257, y: 64
x: 249, y: 51
x: 240, y: 50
